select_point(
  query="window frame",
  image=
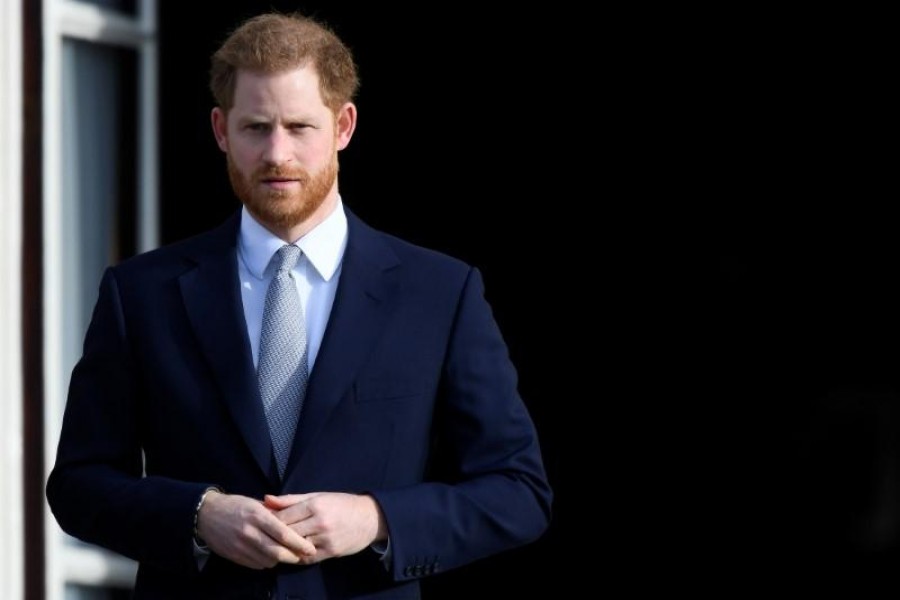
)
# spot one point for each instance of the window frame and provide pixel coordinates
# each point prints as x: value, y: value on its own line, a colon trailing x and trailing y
x: 66, y: 563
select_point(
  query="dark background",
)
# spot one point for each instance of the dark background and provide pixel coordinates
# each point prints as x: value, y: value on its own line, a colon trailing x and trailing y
x: 685, y: 219
x: 775, y: 303
x: 464, y: 144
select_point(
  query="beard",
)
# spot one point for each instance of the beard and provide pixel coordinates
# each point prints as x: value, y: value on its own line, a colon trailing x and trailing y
x: 283, y: 209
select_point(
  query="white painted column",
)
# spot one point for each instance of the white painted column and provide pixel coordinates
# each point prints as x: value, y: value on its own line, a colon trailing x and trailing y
x: 12, y: 514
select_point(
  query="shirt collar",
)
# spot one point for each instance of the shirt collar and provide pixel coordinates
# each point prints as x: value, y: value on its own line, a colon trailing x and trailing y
x: 323, y: 246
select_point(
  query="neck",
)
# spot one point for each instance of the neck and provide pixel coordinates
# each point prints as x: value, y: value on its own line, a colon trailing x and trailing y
x: 293, y: 233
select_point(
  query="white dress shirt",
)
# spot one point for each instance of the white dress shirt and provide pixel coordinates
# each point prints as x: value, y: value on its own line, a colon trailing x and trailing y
x: 316, y: 274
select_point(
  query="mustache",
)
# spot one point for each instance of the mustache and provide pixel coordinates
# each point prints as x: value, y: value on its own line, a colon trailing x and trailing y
x: 297, y: 173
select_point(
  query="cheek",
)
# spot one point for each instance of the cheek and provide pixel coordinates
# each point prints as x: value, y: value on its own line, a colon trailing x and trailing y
x: 242, y: 158
x: 317, y: 154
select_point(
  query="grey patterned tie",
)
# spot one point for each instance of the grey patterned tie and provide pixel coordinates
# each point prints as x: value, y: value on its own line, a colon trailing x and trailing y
x: 282, y: 370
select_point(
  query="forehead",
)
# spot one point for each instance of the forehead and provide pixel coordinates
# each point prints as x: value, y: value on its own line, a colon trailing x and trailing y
x: 295, y: 89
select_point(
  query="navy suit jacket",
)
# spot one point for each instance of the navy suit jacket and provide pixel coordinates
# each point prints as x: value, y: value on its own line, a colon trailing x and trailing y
x: 412, y: 399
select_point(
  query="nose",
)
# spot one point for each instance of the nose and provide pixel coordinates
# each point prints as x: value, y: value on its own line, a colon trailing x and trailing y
x: 278, y: 149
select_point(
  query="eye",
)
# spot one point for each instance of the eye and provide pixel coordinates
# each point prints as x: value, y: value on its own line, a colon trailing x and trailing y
x: 257, y: 127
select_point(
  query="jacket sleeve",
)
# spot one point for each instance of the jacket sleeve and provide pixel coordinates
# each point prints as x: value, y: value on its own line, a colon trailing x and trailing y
x: 97, y: 490
x: 493, y: 494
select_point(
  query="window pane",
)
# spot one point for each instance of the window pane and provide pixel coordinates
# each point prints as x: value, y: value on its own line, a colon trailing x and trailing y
x: 99, y: 176
x: 99, y: 172
x: 83, y: 592
x: 127, y: 7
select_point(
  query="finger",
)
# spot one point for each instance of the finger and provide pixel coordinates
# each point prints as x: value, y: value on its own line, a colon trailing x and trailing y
x: 276, y: 552
x: 279, y: 502
x: 259, y: 550
x: 293, y: 514
x: 253, y: 549
x: 321, y: 544
x: 286, y: 500
x: 307, y: 529
x: 322, y: 551
x: 286, y: 537
x: 262, y: 557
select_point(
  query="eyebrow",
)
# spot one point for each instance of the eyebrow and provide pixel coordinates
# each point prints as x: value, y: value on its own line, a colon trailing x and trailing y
x: 261, y: 118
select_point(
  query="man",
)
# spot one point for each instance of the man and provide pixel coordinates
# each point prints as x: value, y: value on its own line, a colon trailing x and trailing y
x: 294, y: 405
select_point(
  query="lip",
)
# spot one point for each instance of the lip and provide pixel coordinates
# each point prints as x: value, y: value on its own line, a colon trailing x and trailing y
x: 280, y: 183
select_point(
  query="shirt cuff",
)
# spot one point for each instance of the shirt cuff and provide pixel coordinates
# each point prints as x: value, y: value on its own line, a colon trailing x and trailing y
x: 201, y: 555
x: 384, y: 551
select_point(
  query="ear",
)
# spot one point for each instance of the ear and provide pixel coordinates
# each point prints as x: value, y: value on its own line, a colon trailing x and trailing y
x: 345, y: 124
x: 220, y: 128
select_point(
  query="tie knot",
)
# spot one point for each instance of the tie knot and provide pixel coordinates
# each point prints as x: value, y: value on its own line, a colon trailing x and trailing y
x: 286, y: 257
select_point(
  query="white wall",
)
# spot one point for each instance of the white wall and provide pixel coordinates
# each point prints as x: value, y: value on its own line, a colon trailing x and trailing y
x: 11, y: 436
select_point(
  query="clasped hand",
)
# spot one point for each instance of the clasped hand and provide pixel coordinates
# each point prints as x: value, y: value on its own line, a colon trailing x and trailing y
x: 294, y: 528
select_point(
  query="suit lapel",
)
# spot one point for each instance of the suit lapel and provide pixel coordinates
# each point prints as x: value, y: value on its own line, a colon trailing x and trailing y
x: 361, y: 307
x: 211, y: 293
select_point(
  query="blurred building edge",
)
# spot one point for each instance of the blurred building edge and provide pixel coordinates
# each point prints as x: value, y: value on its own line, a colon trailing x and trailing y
x: 11, y: 398
x: 78, y: 191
